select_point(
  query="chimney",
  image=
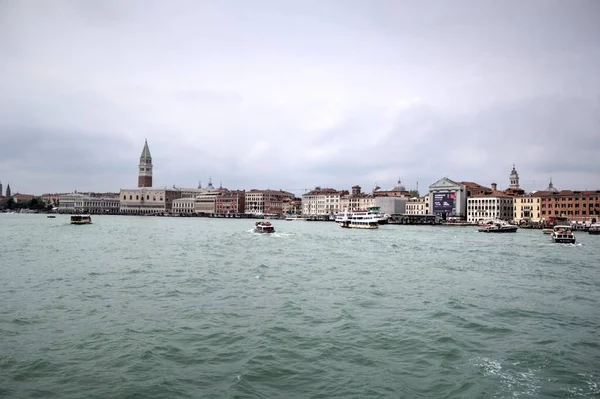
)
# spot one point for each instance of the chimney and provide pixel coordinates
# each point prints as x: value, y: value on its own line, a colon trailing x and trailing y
x: 356, y: 190
x: 494, y: 186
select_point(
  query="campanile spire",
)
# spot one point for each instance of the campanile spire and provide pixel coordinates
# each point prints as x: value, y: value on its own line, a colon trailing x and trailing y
x: 145, y: 167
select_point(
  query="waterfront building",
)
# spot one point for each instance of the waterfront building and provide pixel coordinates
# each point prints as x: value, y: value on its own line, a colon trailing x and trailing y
x: 184, y: 205
x: 574, y: 205
x: 206, y: 203
x: 145, y: 167
x: 472, y: 188
x: 448, y: 199
x: 418, y: 206
x: 526, y: 208
x: 494, y: 206
x: 231, y: 202
x: 85, y: 203
x: 322, y: 201
x: 391, y: 205
x: 270, y: 202
x: 18, y: 197
x: 147, y: 200
x: 51, y: 199
x: 356, y: 200
x: 292, y: 206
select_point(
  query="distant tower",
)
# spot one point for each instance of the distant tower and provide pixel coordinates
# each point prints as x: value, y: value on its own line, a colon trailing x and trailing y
x: 210, y: 185
x: 1, y: 189
x: 145, y: 172
x: 8, y: 193
x: 514, y: 179
x: 199, y: 184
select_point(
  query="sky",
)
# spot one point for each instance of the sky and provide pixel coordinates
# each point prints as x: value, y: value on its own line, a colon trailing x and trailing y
x: 296, y: 94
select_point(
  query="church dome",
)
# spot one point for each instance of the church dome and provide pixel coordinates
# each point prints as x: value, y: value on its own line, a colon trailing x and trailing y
x: 399, y: 186
x: 551, y: 187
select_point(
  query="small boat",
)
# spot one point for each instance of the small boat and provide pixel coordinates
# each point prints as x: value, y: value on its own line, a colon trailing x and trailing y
x: 51, y: 216
x: 294, y: 217
x: 563, y: 235
x: 358, y: 220
x: 497, y: 227
x: 264, y: 227
x: 594, y: 229
x: 81, y: 219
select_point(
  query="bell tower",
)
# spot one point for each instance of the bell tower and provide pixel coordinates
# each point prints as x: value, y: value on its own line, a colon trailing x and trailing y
x: 514, y: 179
x: 145, y: 168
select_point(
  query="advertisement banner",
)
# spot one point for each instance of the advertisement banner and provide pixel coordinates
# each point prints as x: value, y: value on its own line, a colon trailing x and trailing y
x: 444, y: 202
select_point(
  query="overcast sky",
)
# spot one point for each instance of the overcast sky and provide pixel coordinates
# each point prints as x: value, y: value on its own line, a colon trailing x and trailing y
x: 295, y: 94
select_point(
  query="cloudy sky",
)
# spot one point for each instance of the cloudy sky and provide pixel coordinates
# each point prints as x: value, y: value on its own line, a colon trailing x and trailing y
x: 295, y: 94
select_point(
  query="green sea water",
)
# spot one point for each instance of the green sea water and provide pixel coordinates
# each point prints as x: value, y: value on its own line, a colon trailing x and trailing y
x: 143, y: 307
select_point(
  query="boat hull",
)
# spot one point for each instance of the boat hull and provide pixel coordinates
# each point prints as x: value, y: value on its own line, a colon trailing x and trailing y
x: 594, y: 232
x: 78, y: 223
x: 498, y: 230
x: 564, y: 240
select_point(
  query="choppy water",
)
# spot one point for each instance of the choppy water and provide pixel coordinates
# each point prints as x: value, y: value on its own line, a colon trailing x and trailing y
x: 175, y: 307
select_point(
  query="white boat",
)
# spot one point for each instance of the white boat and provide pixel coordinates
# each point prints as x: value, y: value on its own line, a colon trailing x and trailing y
x: 594, y: 229
x: 563, y: 234
x: 264, y: 227
x: 497, y: 226
x: 81, y: 219
x: 372, y: 211
x: 294, y: 217
x: 358, y: 220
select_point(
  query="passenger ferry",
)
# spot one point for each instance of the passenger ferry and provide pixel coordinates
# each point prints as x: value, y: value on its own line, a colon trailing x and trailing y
x: 563, y: 235
x: 81, y: 219
x: 594, y: 229
x: 358, y: 220
x: 373, y: 211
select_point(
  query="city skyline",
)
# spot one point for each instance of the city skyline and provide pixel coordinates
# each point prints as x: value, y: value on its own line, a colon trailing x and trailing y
x: 297, y: 95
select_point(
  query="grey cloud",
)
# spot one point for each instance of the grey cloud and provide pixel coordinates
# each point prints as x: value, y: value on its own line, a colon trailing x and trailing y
x: 293, y: 95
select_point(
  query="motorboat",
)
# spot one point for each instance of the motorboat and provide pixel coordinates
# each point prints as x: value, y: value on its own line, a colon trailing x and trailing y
x: 81, y: 219
x: 497, y: 227
x: 594, y: 229
x: 294, y: 217
x: 563, y: 234
x: 372, y: 211
x: 264, y: 227
x: 358, y: 220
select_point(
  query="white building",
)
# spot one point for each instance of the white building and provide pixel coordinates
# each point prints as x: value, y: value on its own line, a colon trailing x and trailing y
x: 184, y: 205
x: 266, y: 202
x: 448, y: 199
x: 85, y: 203
x: 147, y: 200
x: 322, y: 202
x: 418, y: 206
x: 391, y: 205
x: 496, y: 206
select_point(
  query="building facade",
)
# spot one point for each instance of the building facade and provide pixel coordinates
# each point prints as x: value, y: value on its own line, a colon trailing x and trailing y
x: 418, y: 206
x: 266, y: 202
x: 184, y: 206
x: 231, y: 202
x: 356, y: 200
x: 391, y: 205
x: 85, y: 203
x: 577, y: 206
x: 526, y: 208
x: 292, y: 206
x: 496, y: 206
x: 448, y: 199
x: 322, y: 202
x: 147, y: 200
x: 145, y: 168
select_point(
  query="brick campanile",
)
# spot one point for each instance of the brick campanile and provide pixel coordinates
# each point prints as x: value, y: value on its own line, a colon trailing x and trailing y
x: 145, y: 169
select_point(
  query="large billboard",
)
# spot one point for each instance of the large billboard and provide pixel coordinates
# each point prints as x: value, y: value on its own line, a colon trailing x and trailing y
x: 444, y: 203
